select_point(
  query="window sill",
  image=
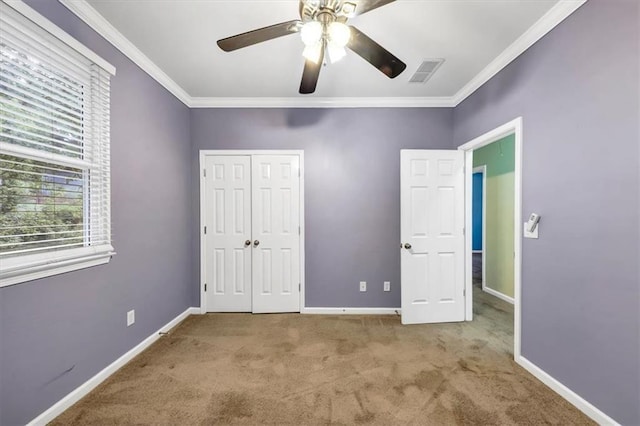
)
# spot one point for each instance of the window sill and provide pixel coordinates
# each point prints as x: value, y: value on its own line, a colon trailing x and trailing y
x: 27, y: 268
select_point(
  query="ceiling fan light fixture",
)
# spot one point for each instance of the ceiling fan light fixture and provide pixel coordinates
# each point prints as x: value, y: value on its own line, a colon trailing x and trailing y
x: 339, y: 34
x: 311, y: 33
x: 348, y: 9
x: 336, y: 52
x: 312, y: 52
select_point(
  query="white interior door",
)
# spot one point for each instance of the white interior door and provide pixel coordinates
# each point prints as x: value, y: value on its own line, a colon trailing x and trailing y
x: 432, y: 232
x: 228, y: 220
x: 276, y: 233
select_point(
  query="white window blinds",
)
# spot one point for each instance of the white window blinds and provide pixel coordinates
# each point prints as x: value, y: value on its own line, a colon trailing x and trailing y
x: 54, y: 145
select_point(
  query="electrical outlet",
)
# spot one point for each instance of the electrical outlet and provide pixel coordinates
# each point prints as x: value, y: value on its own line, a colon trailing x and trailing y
x: 131, y: 317
x: 363, y: 286
x: 387, y: 286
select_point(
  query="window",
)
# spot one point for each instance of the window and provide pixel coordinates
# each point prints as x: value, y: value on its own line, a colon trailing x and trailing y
x: 54, y: 150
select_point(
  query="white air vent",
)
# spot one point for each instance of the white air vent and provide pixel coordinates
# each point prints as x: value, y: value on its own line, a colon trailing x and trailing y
x: 426, y: 69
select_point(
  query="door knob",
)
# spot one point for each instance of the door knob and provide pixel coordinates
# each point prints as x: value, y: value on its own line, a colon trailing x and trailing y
x: 407, y: 246
x: 256, y: 243
x: 247, y: 243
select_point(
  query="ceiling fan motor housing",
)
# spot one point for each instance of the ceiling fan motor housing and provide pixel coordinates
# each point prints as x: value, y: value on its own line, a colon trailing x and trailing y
x: 326, y: 11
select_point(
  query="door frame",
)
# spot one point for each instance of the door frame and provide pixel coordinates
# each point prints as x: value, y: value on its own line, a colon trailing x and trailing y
x: 481, y: 169
x: 204, y: 153
x: 513, y: 127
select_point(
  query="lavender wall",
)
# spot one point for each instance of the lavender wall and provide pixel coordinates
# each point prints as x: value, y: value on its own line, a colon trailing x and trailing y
x: 577, y: 91
x: 58, y: 332
x: 352, y: 187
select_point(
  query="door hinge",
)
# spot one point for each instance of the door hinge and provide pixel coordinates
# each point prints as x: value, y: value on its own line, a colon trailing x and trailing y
x: 464, y: 292
x: 299, y: 232
x: 205, y: 287
x: 299, y: 287
x: 205, y: 230
x: 204, y: 172
x: 464, y: 231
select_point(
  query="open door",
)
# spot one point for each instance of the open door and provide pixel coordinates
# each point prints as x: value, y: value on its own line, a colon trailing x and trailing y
x: 432, y: 232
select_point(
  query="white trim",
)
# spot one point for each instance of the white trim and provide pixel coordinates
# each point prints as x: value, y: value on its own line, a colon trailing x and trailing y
x: 57, y: 267
x: 351, y: 311
x: 29, y: 13
x: 546, y: 23
x: 203, y: 246
x: 468, y: 237
x: 513, y: 127
x: 99, y: 24
x: 579, y: 402
x: 302, y: 234
x: 497, y: 294
x: 316, y: 102
x: 74, y: 396
x: 554, y: 16
x: 249, y: 152
x: 205, y: 152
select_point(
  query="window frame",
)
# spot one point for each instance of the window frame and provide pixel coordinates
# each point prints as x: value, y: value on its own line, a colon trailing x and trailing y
x: 27, y: 267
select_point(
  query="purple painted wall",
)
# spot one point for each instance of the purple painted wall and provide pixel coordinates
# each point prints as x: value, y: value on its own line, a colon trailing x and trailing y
x: 352, y: 187
x: 58, y: 332
x: 578, y: 93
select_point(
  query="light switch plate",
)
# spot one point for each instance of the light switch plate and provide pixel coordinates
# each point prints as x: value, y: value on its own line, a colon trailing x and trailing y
x: 533, y: 234
x: 387, y: 286
x: 363, y: 286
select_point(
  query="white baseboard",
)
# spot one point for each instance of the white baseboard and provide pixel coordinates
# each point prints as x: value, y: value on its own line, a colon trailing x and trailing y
x: 351, y: 311
x: 497, y: 294
x: 575, y: 399
x: 82, y: 390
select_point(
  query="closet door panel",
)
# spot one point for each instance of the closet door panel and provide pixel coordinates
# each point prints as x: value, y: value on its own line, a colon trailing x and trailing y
x: 276, y: 233
x: 228, y: 221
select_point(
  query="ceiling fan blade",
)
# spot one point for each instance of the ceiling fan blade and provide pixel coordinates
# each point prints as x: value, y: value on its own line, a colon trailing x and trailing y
x: 310, y: 75
x: 364, y: 6
x: 258, y: 36
x: 375, y: 54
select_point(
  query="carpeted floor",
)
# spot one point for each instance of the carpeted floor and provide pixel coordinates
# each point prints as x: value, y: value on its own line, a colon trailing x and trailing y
x: 304, y: 369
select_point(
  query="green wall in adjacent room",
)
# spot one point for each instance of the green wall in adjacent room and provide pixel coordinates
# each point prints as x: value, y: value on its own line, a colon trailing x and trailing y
x: 499, y: 159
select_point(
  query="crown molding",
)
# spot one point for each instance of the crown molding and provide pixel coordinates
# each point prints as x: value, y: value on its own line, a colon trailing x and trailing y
x: 99, y: 24
x: 312, y: 102
x: 554, y: 16
x: 544, y: 25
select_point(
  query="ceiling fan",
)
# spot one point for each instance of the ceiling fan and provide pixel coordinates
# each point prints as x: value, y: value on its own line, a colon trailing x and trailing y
x: 322, y: 27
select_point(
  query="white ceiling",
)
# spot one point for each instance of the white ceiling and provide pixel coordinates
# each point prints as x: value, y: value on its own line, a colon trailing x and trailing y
x: 180, y: 38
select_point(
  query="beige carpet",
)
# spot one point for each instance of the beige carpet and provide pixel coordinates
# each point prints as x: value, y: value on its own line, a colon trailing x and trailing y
x: 303, y: 369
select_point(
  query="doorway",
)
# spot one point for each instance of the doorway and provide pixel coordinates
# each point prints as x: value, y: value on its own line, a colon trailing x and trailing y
x: 478, y: 227
x: 513, y: 128
x: 252, y: 240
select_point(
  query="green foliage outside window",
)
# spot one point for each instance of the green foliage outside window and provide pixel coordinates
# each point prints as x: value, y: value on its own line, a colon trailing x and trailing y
x: 40, y: 205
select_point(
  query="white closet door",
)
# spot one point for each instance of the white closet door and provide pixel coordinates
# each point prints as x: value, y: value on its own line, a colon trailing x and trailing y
x: 228, y: 221
x: 432, y: 232
x: 276, y: 233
